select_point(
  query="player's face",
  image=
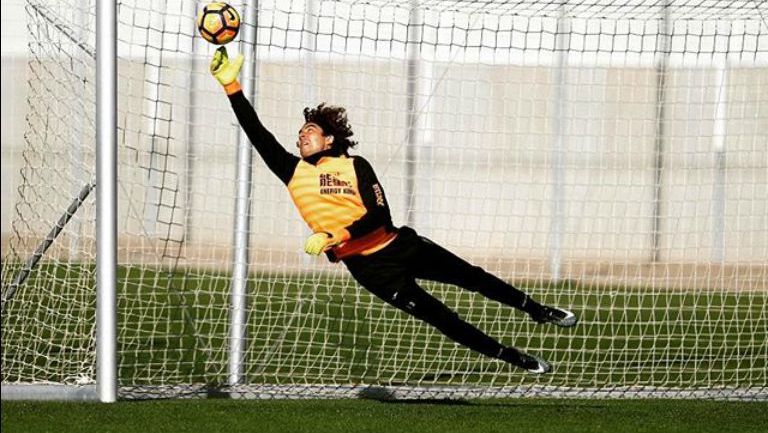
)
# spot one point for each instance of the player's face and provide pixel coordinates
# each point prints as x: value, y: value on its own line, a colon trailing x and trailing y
x: 311, y: 140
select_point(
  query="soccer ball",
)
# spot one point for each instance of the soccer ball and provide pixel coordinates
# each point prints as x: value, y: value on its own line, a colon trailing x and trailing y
x: 218, y: 23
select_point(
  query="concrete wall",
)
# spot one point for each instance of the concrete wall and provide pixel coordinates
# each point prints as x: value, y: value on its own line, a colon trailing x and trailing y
x: 484, y: 177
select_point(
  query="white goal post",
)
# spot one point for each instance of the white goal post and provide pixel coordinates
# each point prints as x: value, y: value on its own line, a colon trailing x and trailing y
x: 604, y: 156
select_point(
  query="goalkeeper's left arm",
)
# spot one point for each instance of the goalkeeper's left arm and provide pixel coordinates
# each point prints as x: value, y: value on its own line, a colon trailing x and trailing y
x: 279, y: 161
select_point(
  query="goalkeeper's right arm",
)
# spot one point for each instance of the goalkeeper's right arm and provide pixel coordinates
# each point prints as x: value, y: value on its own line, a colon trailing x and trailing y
x: 280, y: 161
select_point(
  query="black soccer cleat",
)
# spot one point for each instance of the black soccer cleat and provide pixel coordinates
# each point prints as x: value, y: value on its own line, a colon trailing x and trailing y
x: 557, y: 316
x: 534, y: 364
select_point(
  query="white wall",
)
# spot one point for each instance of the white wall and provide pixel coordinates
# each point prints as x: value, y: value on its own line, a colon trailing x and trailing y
x: 13, y: 82
x: 485, y: 173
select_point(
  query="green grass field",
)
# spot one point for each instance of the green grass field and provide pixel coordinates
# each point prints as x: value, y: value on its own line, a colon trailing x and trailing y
x: 319, y: 329
x: 317, y: 416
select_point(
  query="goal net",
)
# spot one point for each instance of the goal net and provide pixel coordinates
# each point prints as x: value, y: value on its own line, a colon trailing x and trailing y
x: 608, y: 157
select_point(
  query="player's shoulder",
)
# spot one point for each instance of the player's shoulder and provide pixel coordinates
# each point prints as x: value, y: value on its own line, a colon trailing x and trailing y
x: 359, y: 161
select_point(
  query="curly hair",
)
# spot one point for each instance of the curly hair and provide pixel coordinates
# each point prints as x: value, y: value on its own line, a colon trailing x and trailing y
x: 334, y: 122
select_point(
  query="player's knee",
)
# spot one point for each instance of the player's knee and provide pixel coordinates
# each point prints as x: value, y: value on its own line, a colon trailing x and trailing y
x: 446, y: 320
x: 402, y: 302
x: 475, y: 278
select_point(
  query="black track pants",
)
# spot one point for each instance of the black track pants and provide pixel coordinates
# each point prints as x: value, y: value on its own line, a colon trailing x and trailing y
x: 391, y: 275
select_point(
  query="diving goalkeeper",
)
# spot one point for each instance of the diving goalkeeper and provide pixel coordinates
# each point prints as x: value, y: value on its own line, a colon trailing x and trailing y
x: 341, y: 200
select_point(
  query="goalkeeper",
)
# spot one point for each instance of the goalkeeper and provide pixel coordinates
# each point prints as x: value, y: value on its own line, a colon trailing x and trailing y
x: 341, y: 200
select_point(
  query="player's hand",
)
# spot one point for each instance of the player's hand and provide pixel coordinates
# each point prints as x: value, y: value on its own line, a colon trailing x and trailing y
x: 319, y: 242
x: 223, y: 70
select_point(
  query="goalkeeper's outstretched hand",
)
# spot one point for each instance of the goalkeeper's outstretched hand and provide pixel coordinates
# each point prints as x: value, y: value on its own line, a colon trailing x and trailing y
x: 223, y: 70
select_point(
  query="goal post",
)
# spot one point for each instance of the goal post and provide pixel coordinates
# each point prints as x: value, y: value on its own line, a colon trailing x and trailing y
x: 604, y: 157
x: 106, y: 201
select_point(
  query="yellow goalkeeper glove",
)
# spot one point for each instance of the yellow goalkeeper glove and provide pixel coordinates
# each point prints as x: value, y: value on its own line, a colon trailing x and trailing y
x: 226, y: 72
x: 319, y: 242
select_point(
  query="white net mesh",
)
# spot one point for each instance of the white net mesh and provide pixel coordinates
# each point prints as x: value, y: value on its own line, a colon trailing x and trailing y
x: 604, y: 156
